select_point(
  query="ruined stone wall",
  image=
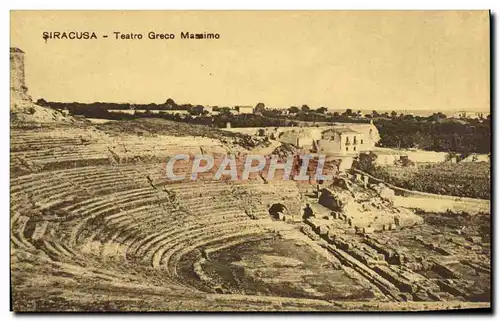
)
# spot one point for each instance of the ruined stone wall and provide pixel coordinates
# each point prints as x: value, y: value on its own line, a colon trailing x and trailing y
x: 456, y: 205
x: 387, y: 156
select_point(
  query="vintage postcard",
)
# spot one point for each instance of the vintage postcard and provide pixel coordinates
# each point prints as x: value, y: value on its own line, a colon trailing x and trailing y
x: 250, y: 161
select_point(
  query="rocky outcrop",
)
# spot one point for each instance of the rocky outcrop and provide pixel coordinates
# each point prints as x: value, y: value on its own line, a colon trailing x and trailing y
x: 368, y: 208
x: 22, y: 108
x: 384, y: 192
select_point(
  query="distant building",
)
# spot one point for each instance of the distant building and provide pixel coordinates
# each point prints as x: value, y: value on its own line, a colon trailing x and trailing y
x: 244, y: 109
x: 300, y: 137
x: 211, y: 110
x: 369, y: 131
x: 337, y: 141
x: 340, y: 139
x: 151, y: 111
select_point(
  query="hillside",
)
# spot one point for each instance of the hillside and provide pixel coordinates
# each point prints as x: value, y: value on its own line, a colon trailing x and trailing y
x: 154, y: 127
x: 23, y: 110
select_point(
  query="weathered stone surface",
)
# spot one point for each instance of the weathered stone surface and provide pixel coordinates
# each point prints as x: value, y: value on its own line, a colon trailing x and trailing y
x: 323, y: 230
x: 385, y: 192
x: 367, y: 207
x: 368, y: 230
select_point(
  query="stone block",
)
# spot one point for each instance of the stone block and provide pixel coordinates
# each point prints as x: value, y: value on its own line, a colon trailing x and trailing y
x: 368, y: 230
x: 323, y: 230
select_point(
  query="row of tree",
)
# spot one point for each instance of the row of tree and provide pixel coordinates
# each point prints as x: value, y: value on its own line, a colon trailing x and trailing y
x: 433, y: 132
x: 303, y: 113
x: 169, y: 104
x: 218, y: 121
x: 465, y: 138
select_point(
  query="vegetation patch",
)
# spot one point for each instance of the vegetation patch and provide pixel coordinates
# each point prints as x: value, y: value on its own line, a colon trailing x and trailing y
x: 456, y: 179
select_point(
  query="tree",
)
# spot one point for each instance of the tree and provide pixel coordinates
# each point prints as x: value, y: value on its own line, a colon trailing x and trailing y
x: 260, y: 107
x: 436, y: 117
x: 197, y: 110
x: 170, y: 103
x: 97, y: 112
x: 408, y: 117
x: 366, y: 162
x: 293, y: 109
x: 225, y: 111
x: 348, y: 112
x: 305, y: 108
x: 394, y: 114
x: 441, y: 115
x: 322, y: 110
x: 375, y: 114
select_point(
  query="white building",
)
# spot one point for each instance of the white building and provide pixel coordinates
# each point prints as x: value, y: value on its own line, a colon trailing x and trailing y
x: 244, y: 109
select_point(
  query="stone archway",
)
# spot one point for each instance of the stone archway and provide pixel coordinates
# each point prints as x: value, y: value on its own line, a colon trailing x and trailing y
x: 278, y: 211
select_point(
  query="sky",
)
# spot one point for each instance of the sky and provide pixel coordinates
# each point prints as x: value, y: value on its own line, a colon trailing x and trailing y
x: 368, y: 60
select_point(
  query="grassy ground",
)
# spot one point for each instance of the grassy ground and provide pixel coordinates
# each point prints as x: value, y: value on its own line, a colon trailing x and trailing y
x: 462, y: 179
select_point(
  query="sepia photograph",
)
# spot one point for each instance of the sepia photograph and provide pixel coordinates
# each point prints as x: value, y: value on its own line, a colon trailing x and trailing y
x: 264, y: 161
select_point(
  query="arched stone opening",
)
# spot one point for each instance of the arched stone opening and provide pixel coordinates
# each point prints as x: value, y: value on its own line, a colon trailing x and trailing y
x: 278, y: 211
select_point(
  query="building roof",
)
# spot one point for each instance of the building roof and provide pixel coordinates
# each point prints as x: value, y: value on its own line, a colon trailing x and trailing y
x: 14, y: 49
x: 344, y: 130
x: 295, y: 132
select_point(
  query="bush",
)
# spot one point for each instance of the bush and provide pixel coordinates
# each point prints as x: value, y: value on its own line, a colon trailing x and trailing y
x: 365, y: 162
